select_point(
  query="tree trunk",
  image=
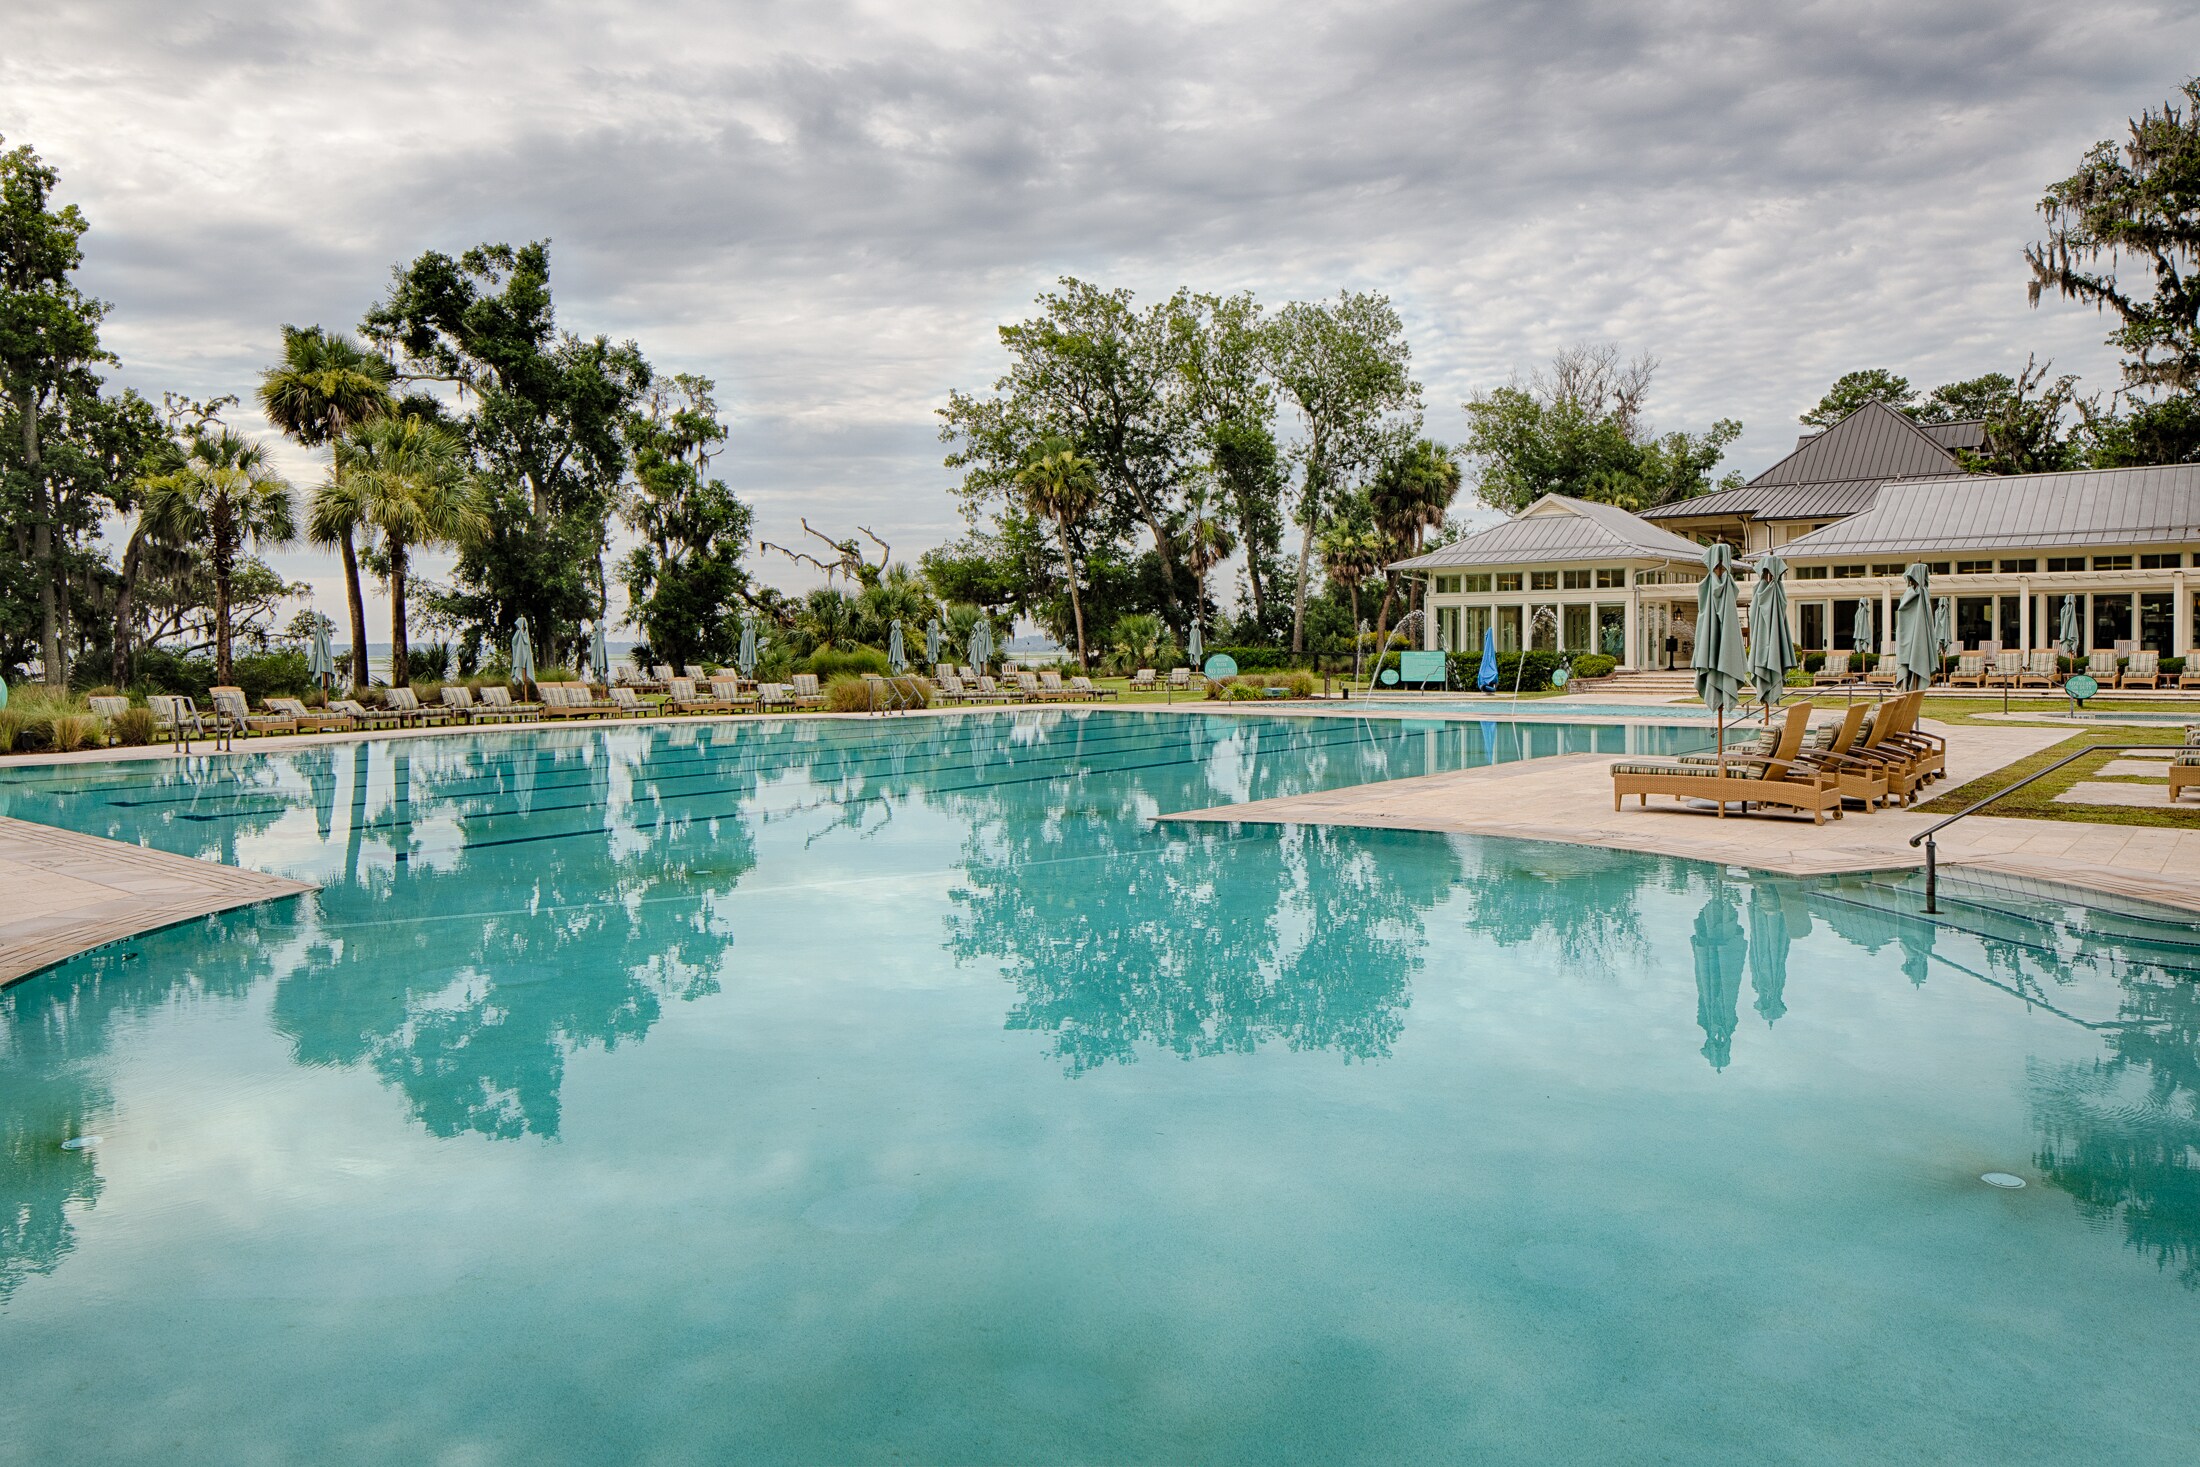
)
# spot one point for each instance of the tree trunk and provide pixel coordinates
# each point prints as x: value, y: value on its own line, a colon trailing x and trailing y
x: 133, y: 560
x: 1309, y: 518
x: 223, y: 669
x: 358, y: 612
x: 42, y: 546
x: 1382, y: 617
x: 1076, y: 607
x: 400, y: 655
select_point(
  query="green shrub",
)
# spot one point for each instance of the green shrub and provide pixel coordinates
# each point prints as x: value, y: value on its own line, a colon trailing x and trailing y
x: 848, y: 693
x: 74, y: 731
x: 431, y: 663
x: 1241, y: 688
x: 133, y: 726
x: 2173, y: 666
x: 1814, y: 661
x: 555, y: 675
x: 1594, y: 664
x: 827, y: 663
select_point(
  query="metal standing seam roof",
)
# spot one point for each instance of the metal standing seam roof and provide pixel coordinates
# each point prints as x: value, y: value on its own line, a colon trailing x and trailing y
x: 2143, y: 506
x: 1830, y: 473
x: 1559, y: 528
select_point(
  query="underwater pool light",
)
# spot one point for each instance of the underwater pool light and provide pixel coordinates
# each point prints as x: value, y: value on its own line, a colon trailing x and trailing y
x: 2002, y: 1179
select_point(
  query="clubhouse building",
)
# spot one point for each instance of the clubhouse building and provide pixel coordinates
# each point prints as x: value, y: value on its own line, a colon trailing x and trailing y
x: 1848, y: 511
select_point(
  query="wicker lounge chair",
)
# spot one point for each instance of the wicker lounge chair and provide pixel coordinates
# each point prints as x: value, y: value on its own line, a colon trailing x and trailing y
x: 1777, y: 778
x: 1836, y: 670
x: 2144, y: 670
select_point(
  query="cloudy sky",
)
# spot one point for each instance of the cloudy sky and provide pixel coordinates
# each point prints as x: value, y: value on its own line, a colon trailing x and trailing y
x: 828, y: 207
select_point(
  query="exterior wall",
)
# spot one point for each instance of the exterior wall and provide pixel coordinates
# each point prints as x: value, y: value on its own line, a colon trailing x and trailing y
x: 1587, y: 616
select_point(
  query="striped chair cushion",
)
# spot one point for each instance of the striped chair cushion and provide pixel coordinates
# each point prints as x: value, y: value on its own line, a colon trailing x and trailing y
x: 1735, y: 768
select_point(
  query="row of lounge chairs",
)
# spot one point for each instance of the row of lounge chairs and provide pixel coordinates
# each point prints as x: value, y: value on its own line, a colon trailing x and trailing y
x: 2042, y: 669
x: 1874, y: 755
x: 1025, y: 687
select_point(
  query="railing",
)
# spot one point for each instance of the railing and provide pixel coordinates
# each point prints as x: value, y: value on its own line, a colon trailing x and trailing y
x: 1932, y: 853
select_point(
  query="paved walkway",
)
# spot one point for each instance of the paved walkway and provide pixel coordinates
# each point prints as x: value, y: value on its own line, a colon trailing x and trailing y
x: 1569, y: 799
x: 69, y: 892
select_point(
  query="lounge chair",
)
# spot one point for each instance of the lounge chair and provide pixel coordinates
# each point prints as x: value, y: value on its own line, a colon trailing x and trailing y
x: 108, y: 709
x: 1052, y: 686
x: 1836, y: 670
x: 1143, y: 681
x: 2144, y: 670
x: 1778, y: 778
x: 1027, y: 684
x: 1831, y: 746
x: 363, y: 716
x: 1180, y: 679
x: 685, y: 699
x: 694, y: 674
x: 571, y: 700
x: 952, y: 689
x: 807, y: 694
x: 2101, y: 667
x: 499, y: 700
x: 1887, y: 673
x: 1084, y: 687
x: 2184, y: 769
x: 309, y: 720
x: 2039, y: 670
x: 2190, y: 677
x: 231, y: 702
x: 406, y: 703
x: 1970, y: 671
x: 2008, y: 670
x: 774, y: 696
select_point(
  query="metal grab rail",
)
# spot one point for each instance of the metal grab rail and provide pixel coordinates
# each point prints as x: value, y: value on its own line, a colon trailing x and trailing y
x: 1932, y: 852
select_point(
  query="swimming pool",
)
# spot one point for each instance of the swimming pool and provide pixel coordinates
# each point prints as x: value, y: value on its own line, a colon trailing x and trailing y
x: 1539, y: 708
x: 895, y: 1090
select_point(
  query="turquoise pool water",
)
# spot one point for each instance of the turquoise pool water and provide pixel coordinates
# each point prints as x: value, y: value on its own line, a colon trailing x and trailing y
x: 1541, y: 708
x: 894, y: 1090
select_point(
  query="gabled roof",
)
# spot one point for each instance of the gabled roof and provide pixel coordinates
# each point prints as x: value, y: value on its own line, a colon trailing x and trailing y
x: 1559, y: 528
x: 2111, y: 507
x: 1830, y: 473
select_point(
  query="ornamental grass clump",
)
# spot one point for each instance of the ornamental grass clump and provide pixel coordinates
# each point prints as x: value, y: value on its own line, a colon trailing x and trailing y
x: 848, y: 694
x: 133, y: 727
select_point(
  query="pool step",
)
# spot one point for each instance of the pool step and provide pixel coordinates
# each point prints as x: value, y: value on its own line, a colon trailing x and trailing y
x: 2037, y: 915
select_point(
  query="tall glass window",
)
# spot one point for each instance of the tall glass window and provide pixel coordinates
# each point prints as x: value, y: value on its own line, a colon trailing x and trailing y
x: 1473, y: 622
x: 1508, y: 628
x: 1974, y: 620
x: 1577, y: 637
x: 2009, y: 628
x: 1612, y: 631
x: 1811, y: 618
x: 2155, y: 610
x: 2111, y: 621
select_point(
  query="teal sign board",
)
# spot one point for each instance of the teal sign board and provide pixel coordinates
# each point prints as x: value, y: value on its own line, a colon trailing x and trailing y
x: 2081, y: 687
x: 1560, y: 678
x: 1221, y: 665
x: 1421, y: 667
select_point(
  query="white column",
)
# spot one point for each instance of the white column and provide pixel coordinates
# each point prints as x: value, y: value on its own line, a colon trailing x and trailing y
x: 2180, y: 616
x: 1631, y: 653
x: 2024, y: 614
x: 1885, y: 630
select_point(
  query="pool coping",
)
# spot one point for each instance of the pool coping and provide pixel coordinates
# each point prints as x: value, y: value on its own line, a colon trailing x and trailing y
x: 74, y: 893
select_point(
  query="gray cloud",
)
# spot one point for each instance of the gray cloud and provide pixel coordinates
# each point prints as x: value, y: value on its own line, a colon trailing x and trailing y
x: 830, y: 207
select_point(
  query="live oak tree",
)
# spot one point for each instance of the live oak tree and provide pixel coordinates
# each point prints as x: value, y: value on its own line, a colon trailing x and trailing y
x: 49, y: 339
x: 545, y: 418
x: 685, y: 579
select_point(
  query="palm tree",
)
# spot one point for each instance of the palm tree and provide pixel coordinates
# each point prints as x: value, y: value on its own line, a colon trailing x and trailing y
x: 325, y: 386
x: 407, y: 479
x: 1350, y: 554
x: 1207, y: 544
x: 222, y: 496
x: 1059, y: 486
x: 1409, y: 498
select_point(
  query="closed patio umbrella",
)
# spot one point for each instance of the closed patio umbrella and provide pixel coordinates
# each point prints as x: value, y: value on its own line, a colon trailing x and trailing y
x: 523, y: 654
x: 1944, y: 624
x: 599, y: 654
x: 1771, y: 648
x: 897, y: 654
x: 745, y: 659
x: 1485, y: 676
x: 975, y: 649
x: 320, y: 660
x: 1768, y: 951
x: 1197, y: 646
x: 2066, y: 628
x: 932, y: 641
x: 1916, y: 652
x: 1720, y: 946
x: 1719, y: 663
x: 1860, y: 630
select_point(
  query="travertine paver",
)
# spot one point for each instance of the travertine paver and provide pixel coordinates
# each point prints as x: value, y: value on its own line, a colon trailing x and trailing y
x: 2137, y: 767
x: 69, y: 892
x: 2144, y: 796
x: 1569, y: 799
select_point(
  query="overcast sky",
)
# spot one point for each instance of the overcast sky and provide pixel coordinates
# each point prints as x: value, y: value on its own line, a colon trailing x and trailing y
x: 830, y: 207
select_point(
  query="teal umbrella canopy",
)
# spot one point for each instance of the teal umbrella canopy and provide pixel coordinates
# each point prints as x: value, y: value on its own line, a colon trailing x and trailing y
x: 320, y: 658
x: 1861, y: 629
x: 599, y: 653
x: 1197, y: 646
x: 745, y: 659
x: 1944, y: 624
x: 1720, y: 665
x: 3, y: 692
x: 975, y: 648
x: 897, y: 653
x: 1916, y: 648
x: 1771, y: 648
x: 2066, y: 627
x: 933, y: 641
x: 523, y: 653
x: 1485, y: 675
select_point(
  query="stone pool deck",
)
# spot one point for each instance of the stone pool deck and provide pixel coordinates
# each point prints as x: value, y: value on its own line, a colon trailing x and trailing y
x: 1568, y: 799
x: 68, y: 893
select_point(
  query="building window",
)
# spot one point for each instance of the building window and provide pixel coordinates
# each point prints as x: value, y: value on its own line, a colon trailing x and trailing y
x: 2155, y: 610
x: 1508, y: 626
x: 1611, y: 578
x: 1974, y: 620
x: 1889, y: 568
x: 1937, y: 567
x: 2111, y: 621
x: 1473, y: 622
x: 2112, y: 562
x: 2058, y: 563
x: 1974, y: 567
x: 2023, y: 567
x: 2161, y: 562
x: 1574, y: 580
x: 1812, y: 615
x: 1612, y: 631
x: 1508, y: 581
x: 1478, y: 584
x: 1576, y: 623
x: 1542, y: 580
x: 1810, y: 573
x: 1848, y: 572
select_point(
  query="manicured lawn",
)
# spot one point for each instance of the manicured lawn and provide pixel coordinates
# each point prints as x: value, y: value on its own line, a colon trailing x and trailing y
x: 2037, y: 800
